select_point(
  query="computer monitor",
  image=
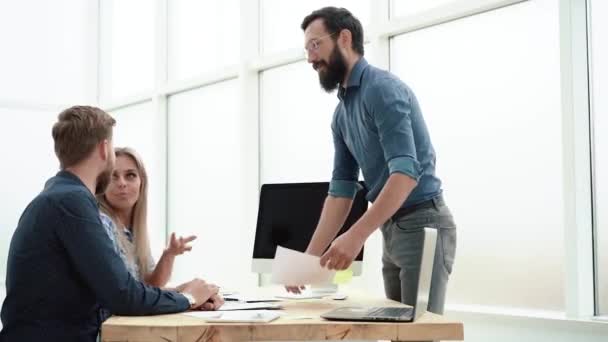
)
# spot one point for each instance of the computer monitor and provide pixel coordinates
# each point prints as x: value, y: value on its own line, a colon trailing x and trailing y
x: 288, y: 215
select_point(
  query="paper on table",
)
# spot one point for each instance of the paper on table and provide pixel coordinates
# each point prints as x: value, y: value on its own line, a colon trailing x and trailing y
x: 203, y: 314
x: 235, y: 316
x: 250, y: 299
x: 291, y: 267
x: 228, y: 306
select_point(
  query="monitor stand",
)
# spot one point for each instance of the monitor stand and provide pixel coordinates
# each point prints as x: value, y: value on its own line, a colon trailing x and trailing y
x: 327, y: 289
x: 324, y: 289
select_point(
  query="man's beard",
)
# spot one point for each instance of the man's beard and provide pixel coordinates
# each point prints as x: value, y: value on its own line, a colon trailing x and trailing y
x: 103, y: 180
x: 334, y: 72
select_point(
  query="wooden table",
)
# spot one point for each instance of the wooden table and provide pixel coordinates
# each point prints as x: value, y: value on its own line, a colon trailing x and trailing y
x: 300, y: 322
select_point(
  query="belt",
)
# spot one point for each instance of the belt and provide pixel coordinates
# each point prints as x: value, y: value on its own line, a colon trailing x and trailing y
x: 432, y: 203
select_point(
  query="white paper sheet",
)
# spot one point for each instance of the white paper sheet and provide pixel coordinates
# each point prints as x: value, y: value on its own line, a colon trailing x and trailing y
x: 250, y: 299
x: 291, y: 267
x: 261, y: 316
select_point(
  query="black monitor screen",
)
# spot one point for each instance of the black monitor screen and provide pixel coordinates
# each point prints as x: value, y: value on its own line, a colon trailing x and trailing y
x: 288, y: 215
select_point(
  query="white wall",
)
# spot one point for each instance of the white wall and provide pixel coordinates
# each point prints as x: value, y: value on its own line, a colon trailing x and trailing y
x: 28, y: 162
x: 48, y: 52
x: 48, y: 62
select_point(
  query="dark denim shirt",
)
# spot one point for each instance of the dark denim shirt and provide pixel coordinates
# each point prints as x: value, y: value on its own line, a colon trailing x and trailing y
x: 378, y: 128
x: 62, y: 267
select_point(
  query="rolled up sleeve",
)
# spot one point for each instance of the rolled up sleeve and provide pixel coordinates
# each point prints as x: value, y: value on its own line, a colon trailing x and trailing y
x: 346, y: 170
x: 389, y: 103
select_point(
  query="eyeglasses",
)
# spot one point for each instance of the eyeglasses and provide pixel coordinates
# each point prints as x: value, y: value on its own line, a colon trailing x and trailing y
x: 315, y: 43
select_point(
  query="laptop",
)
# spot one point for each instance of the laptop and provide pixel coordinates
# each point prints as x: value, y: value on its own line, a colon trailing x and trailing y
x: 397, y: 313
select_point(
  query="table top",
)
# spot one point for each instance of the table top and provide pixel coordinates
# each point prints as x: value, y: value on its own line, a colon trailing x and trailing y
x: 299, y: 321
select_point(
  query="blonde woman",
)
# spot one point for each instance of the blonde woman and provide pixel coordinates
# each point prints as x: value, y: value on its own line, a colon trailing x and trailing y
x: 124, y: 213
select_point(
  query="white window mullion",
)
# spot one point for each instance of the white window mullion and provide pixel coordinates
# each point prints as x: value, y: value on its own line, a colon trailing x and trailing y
x: 249, y: 94
x: 159, y: 100
x: 578, y: 230
x: 105, y: 50
x: 379, y: 44
x: 93, y: 55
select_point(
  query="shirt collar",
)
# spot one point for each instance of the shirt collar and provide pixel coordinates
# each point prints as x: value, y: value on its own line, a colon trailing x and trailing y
x: 68, y: 175
x: 354, y: 80
x: 355, y: 75
x: 73, y: 179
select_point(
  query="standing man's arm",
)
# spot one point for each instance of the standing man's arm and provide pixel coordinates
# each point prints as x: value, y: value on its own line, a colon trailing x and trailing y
x: 388, y: 102
x: 345, y: 248
x: 342, y: 189
x: 334, y: 214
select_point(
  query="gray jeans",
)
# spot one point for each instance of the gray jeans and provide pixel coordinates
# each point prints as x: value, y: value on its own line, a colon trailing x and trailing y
x: 402, y: 253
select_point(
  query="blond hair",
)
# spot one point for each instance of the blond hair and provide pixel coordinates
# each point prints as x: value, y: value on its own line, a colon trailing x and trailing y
x: 77, y: 130
x: 141, y: 254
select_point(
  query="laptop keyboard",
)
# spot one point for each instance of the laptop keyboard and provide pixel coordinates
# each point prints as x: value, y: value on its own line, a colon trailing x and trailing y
x: 388, y: 312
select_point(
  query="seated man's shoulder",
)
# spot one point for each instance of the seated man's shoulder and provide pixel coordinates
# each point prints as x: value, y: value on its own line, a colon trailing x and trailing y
x: 71, y: 200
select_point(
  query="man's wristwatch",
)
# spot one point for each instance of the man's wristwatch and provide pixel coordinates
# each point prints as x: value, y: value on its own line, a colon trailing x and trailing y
x: 190, y: 298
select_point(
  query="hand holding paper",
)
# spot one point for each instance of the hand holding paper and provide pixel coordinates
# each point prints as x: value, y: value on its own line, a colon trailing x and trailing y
x: 342, y: 251
x: 296, y: 268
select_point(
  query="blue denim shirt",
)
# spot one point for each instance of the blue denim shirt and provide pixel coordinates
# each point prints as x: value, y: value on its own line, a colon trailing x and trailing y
x: 378, y: 128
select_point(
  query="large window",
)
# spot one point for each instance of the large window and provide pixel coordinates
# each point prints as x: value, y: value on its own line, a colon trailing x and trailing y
x: 203, y: 36
x: 489, y: 90
x: 295, y: 125
x: 402, y: 8
x: 127, y: 49
x: 143, y: 129
x: 295, y: 132
x: 205, y: 186
x: 599, y: 105
x: 48, y: 52
x: 280, y: 20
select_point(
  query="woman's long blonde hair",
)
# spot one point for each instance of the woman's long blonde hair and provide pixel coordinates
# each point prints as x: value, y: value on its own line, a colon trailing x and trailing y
x: 139, y: 225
